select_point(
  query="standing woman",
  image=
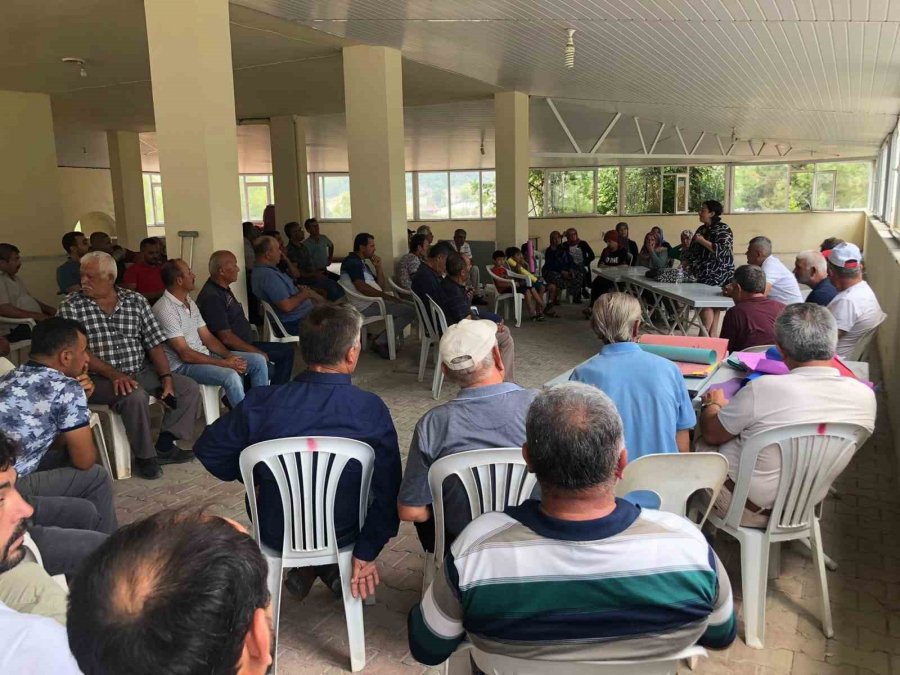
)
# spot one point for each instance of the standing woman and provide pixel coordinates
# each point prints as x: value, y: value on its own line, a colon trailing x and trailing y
x: 712, y: 255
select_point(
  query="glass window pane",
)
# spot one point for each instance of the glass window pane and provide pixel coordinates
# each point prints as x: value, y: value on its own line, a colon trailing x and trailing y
x: 801, y: 191
x: 824, y: 190
x: 433, y: 195
x: 852, y: 188
x: 148, y: 200
x: 761, y: 187
x: 642, y: 190
x: 536, y: 192
x: 465, y: 194
x: 489, y: 194
x: 571, y: 192
x: 257, y: 199
x: 705, y: 183
x: 410, y: 214
x: 158, y: 204
x: 608, y: 191
x: 334, y: 197
x: 669, y: 182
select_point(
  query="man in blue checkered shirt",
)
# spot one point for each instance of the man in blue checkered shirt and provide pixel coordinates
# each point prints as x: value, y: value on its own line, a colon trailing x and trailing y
x: 128, y: 364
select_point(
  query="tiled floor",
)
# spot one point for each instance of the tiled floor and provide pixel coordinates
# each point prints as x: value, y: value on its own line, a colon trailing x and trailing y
x: 861, y: 531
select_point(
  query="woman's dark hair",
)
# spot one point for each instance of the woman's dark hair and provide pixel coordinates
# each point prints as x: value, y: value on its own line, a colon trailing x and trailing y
x: 715, y: 207
x: 416, y: 241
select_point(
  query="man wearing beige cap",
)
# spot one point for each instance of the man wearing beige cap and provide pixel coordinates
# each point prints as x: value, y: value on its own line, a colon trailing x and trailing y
x: 486, y: 413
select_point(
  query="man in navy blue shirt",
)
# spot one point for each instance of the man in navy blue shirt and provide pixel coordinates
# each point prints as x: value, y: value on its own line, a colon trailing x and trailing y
x: 811, y: 269
x: 319, y: 402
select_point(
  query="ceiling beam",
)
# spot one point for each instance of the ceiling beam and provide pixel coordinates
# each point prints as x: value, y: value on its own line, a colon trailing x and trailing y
x: 606, y: 131
x: 662, y: 125
x: 721, y: 147
x: 681, y: 138
x: 562, y: 123
x: 699, y: 140
x: 637, y: 125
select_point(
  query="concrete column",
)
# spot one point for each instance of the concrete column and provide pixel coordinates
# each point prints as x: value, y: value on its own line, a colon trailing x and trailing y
x: 373, y: 94
x: 285, y: 169
x: 302, y: 166
x: 511, y: 162
x: 128, y: 187
x: 189, y: 44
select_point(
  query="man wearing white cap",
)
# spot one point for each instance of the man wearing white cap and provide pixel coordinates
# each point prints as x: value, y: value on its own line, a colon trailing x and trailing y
x: 855, y: 307
x: 486, y: 413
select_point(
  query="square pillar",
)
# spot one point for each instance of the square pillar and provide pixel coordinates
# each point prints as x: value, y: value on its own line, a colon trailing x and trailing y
x: 373, y: 94
x: 288, y: 140
x: 189, y: 42
x: 128, y: 187
x: 511, y: 161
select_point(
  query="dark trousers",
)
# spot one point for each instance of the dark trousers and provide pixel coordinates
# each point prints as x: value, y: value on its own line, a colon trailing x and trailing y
x: 281, y: 355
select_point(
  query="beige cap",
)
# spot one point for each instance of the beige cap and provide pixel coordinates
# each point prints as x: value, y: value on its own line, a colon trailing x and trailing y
x: 466, y: 344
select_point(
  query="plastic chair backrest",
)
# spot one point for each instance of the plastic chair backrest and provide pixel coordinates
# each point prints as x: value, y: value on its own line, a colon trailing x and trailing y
x: 6, y: 366
x: 437, y: 314
x: 271, y: 321
x: 812, y: 456
x: 512, y: 291
x: 424, y: 317
x: 675, y: 477
x: 307, y: 470
x: 493, y: 479
x: 860, y: 350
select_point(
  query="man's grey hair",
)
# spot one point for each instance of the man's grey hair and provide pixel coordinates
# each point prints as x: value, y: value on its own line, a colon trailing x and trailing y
x: 806, y: 332
x: 845, y: 272
x: 105, y: 261
x: 574, y: 435
x: 750, y: 278
x: 263, y: 244
x: 328, y: 332
x: 614, y: 316
x: 466, y: 377
x: 815, y: 260
x: 217, y: 261
x: 424, y: 229
x: 762, y: 244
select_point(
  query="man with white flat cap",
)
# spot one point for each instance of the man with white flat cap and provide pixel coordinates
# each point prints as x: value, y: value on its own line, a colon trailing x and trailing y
x: 486, y: 413
x: 855, y: 307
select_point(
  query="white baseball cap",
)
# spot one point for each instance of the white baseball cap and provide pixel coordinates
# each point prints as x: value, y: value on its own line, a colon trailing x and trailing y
x: 845, y: 255
x: 467, y: 343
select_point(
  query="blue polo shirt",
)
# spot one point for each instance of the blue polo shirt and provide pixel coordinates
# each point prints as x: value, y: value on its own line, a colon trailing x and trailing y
x: 272, y: 285
x: 650, y: 394
x: 314, y: 404
x: 823, y: 293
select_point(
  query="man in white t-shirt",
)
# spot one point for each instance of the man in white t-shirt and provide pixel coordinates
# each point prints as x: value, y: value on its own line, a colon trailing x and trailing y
x: 782, y: 284
x: 855, y: 307
x: 812, y: 393
x: 28, y: 643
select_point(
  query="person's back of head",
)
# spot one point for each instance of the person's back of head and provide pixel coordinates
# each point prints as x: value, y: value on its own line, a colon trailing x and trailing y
x: 574, y: 438
x: 416, y: 242
x: 751, y: 279
x: 442, y: 248
x: 512, y: 252
x: 469, y: 354
x: 329, y: 336
x: 262, y: 245
x: 57, y: 339
x: 455, y: 265
x: 69, y: 240
x: 616, y: 317
x: 763, y: 245
x: 249, y: 230
x: 845, y: 265
x: 100, y: 241
x: 830, y: 243
x: 178, y: 593
x: 806, y: 332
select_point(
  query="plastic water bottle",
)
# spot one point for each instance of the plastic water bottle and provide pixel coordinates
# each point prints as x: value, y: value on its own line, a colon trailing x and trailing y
x: 679, y: 275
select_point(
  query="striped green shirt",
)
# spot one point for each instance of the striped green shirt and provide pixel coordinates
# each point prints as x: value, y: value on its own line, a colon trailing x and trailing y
x: 634, y: 584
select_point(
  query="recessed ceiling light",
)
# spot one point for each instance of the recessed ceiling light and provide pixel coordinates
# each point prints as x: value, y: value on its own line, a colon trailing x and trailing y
x: 78, y: 62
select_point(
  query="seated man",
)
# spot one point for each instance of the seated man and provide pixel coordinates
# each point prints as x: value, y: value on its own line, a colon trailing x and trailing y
x: 813, y: 392
x: 461, y: 246
x: 319, y: 402
x: 855, y: 306
x: 648, y: 390
x: 15, y: 300
x: 320, y: 247
x: 408, y: 264
x: 122, y: 334
x: 29, y: 643
x: 486, y: 413
x: 224, y: 316
x: 780, y: 282
x: 43, y: 407
x: 355, y: 270
x: 144, y: 276
x: 203, y: 594
x: 579, y: 575
x: 299, y: 254
x: 751, y: 322
x: 190, y: 346
x: 811, y: 268
x: 68, y: 275
x: 276, y: 288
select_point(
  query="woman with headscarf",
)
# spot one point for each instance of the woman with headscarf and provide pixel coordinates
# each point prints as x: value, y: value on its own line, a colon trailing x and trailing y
x: 612, y: 256
x: 661, y: 238
x: 712, y: 255
x: 653, y: 255
x: 561, y: 271
x: 677, y: 252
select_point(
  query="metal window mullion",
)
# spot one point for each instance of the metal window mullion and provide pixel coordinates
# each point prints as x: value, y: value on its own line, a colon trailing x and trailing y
x: 594, y: 209
x: 415, y: 189
x: 620, y: 207
x: 480, y: 195
x: 729, y: 187
x: 449, y: 199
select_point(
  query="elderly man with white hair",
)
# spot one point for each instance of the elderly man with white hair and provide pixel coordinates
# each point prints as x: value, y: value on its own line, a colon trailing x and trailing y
x: 855, y: 307
x: 813, y: 392
x: 486, y: 413
x: 128, y: 364
x: 781, y: 284
x: 811, y: 268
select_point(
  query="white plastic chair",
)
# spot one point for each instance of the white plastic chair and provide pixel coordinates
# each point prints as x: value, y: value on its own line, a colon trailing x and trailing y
x: 18, y: 349
x: 494, y: 664
x: 429, y: 338
x: 674, y: 477
x: 210, y: 396
x: 512, y: 294
x: 863, y: 344
x: 6, y: 366
x: 812, y: 456
x: 306, y: 470
x: 100, y: 442
x: 270, y: 321
x: 117, y: 440
x: 439, y: 322
x: 33, y: 554
x: 404, y: 293
x: 493, y: 479
x: 384, y: 316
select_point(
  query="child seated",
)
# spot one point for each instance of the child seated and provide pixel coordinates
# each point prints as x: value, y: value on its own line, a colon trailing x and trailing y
x: 532, y: 299
x: 515, y: 260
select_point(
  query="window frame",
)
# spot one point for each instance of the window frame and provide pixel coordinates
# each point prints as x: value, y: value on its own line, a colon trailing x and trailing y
x: 245, y: 184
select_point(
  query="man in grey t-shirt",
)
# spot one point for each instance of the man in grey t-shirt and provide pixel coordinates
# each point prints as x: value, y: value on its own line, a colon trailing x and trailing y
x: 487, y: 413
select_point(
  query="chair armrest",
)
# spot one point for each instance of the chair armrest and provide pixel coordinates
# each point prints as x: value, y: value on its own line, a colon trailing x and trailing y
x: 13, y: 320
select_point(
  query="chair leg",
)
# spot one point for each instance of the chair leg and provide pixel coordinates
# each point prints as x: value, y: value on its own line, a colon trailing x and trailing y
x: 100, y: 442
x: 438, y: 381
x: 423, y: 355
x: 517, y: 301
x: 356, y: 636
x: 274, y: 582
x: 754, y: 578
x: 209, y: 394
x: 818, y: 556
x: 392, y: 343
x: 427, y: 572
x: 120, y: 446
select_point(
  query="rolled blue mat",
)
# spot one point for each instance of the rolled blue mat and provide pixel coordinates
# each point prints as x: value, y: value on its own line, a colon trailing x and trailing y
x: 683, y: 354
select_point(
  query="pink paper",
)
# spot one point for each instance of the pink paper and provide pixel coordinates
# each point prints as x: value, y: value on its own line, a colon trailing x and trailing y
x: 729, y: 387
x: 770, y: 367
x: 750, y: 359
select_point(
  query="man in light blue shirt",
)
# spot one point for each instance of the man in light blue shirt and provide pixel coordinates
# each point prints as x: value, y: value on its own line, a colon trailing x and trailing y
x: 273, y: 286
x: 648, y: 390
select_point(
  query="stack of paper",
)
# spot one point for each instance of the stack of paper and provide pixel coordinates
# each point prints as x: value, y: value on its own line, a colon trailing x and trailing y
x: 695, y: 356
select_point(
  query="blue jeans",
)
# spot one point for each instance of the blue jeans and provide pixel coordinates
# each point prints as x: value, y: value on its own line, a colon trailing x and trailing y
x: 281, y: 354
x: 230, y: 380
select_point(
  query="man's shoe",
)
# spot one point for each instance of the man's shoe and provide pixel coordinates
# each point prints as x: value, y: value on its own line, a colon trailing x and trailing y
x: 331, y: 577
x: 175, y: 456
x: 147, y: 468
x: 299, y: 581
x: 381, y: 350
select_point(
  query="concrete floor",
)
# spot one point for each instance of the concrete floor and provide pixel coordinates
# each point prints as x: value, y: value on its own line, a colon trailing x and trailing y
x: 861, y: 532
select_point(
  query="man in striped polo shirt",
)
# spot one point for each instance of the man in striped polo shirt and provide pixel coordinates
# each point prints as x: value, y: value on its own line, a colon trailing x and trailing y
x: 580, y: 575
